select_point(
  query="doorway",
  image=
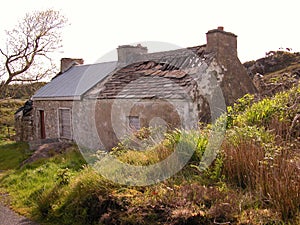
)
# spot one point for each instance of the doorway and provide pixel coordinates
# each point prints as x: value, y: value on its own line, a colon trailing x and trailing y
x: 42, y: 124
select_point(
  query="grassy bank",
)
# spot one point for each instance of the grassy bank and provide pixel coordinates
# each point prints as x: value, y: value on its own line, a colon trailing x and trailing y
x: 12, y: 154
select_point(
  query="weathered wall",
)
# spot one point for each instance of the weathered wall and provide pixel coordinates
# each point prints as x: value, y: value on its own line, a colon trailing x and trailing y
x: 111, y: 117
x: 51, y: 117
x: 102, y: 123
x: 236, y: 82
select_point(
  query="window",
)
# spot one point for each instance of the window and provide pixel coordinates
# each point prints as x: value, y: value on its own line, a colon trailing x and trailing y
x: 134, y: 122
x: 65, y: 123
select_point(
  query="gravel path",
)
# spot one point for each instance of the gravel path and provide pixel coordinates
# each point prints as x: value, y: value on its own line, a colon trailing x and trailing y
x: 9, y: 217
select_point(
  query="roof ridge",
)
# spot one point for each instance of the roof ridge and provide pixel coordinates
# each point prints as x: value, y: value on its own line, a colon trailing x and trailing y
x: 97, y: 63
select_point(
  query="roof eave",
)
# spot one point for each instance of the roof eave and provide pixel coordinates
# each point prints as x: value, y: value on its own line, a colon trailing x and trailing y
x: 57, y: 98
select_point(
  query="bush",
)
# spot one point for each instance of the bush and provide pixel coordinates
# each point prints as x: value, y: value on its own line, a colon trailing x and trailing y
x: 283, y: 106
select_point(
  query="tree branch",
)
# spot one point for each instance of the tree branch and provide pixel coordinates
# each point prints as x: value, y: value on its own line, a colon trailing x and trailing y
x: 30, y: 42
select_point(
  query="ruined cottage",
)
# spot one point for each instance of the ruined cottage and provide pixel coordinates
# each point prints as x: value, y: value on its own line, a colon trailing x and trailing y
x: 97, y: 104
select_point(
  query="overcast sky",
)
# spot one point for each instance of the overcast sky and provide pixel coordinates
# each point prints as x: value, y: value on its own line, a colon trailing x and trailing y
x: 98, y: 27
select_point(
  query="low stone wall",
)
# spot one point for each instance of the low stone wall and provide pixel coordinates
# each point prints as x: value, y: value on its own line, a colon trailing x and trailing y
x: 24, y: 128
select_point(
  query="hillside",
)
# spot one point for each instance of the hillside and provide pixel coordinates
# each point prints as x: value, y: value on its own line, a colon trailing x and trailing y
x: 15, y: 98
x: 278, y: 71
x: 7, y: 109
x: 22, y: 91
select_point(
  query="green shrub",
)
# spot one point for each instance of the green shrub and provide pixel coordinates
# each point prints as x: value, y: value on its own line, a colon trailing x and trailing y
x: 63, y: 176
x: 283, y: 106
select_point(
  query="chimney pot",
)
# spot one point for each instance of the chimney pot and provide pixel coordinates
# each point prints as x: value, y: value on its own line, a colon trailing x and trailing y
x: 220, y: 28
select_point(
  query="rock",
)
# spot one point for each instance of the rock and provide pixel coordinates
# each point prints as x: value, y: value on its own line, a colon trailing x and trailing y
x: 46, y: 151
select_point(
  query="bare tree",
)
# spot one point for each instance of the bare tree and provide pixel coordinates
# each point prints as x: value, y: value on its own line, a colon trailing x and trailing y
x: 29, y: 46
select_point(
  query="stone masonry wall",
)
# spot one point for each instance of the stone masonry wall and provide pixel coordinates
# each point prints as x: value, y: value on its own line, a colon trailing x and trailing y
x: 102, y: 123
x: 50, y: 115
x: 24, y: 128
x: 236, y: 82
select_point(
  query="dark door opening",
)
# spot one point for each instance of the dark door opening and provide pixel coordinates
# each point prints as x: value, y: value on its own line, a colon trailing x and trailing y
x: 42, y: 124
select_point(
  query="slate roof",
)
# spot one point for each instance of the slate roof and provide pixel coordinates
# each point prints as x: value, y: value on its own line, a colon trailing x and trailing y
x: 152, y: 75
x: 73, y: 83
x: 156, y: 75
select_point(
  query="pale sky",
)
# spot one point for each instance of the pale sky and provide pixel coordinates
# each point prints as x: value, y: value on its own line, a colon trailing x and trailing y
x: 98, y: 27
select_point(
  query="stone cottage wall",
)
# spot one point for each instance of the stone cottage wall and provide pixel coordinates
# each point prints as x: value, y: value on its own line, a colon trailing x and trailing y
x: 236, y: 82
x: 155, y: 113
x: 103, y: 123
x: 50, y: 115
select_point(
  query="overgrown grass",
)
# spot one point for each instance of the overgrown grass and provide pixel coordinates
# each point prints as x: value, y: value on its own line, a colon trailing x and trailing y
x: 261, y: 152
x: 27, y: 183
x: 12, y: 154
x: 273, y: 177
x: 173, y: 141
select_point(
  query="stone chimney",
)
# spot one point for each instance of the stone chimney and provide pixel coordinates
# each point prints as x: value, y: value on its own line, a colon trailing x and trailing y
x: 235, y: 81
x: 67, y: 63
x: 129, y: 53
x: 221, y: 42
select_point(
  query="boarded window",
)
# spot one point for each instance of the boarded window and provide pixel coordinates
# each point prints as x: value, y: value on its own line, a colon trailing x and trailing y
x: 65, y: 123
x: 134, y: 122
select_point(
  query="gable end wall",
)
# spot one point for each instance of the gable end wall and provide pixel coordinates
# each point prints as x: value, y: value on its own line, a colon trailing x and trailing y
x: 51, y: 117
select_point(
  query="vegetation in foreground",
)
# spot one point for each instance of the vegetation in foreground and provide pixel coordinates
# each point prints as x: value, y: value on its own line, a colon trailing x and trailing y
x: 254, y: 180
